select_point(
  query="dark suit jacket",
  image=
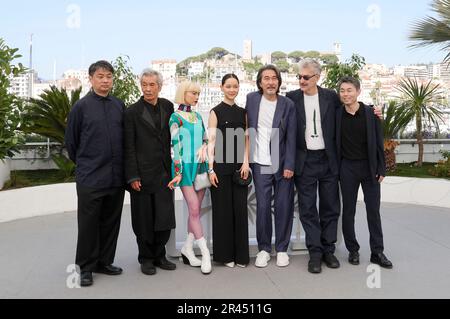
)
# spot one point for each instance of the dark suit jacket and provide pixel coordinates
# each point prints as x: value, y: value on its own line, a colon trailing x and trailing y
x: 147, y: 149
x: 285, y: 121
x: 329, y: 102
x: 375, y: 141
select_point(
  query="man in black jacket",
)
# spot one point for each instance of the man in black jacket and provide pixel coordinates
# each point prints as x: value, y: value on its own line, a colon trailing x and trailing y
x: 316, y: 168
x: 148, y: 170
x: 360, y: 150
x: 94, y: 141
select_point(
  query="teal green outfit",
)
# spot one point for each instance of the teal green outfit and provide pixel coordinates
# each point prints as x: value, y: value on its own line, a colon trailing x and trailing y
x: 187, y: 139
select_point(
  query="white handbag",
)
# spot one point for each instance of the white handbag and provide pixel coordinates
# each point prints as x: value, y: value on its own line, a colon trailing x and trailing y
x: 202, y: 179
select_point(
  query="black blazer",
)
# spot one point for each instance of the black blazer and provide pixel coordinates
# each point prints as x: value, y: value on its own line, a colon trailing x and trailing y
x: 147, y: 149
x: 375, y: 141
x: 329, y: 102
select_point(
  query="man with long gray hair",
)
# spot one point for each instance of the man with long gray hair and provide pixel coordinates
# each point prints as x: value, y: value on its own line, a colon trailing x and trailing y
x: 148, y: 171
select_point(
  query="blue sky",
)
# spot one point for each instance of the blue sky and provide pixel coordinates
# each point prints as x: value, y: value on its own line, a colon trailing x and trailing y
x: 377, y: 30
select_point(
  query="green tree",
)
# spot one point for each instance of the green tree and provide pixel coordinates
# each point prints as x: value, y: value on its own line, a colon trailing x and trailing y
x: 336, y: 71
x: 10, y: 105
x: 216, y: 53
x: 252, y: 68
x: 418, y: 102
x: 47, y: 116
x: 125, y: 81
x: 278, y: 55
x: 312, y: 54
x: 282, y: 65
x: 434, y: 31
x: 296, y: 56
x: 329, y: 58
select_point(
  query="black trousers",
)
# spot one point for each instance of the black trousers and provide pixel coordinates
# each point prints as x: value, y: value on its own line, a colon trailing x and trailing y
x: 230, y: 222
x: 320, y: 225
x: 153, y: 218
x: 353, y: 174
x: 99, y: 213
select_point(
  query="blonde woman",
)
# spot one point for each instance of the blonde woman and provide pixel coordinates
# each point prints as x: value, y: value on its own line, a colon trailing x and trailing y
x: 189, y: 146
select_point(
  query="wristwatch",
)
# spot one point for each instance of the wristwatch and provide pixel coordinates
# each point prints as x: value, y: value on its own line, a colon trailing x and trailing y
x: 211, y: 171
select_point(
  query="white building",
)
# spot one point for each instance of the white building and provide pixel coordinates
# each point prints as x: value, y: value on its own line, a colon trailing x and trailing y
x: 71, y: 75
x: 168, y: 68
x: 338, y: 51
x: 266, y: 58
x: 82, y: 75
x: 222, y: 69
x: 248, y: 50
x: 196, y: 68
x: 39, y: 88
x: 20, y: 85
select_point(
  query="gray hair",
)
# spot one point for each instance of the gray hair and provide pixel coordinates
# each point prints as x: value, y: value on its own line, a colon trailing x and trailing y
x: 151, y: 72
x: 314, y: 64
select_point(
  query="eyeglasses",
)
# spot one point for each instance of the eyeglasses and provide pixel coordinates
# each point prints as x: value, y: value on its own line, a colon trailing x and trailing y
x: 305, y: 77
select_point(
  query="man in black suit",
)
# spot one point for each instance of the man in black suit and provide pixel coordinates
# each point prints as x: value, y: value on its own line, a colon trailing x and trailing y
x: 147, y: 171
x: 94, y: 141
x: 316, y: 165
x: 360, y: 150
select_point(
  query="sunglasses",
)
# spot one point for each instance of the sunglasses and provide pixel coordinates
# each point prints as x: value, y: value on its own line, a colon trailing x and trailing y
x: 305, y: 77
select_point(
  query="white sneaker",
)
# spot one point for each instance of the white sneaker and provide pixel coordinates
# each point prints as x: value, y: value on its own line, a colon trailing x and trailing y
x: 282, y: 260
x: 241, y: 266
x: 230, y: 265
x: 262, y: 258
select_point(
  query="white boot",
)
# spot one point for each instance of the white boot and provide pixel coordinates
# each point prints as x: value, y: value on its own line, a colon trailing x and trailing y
x: 187, y: 252
x: 206, y: 257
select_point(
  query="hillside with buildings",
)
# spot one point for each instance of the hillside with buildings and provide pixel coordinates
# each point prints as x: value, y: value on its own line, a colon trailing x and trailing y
x: 378, y: 81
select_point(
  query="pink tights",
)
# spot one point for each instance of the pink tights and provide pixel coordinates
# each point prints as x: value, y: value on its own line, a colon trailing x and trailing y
x: 194, y: 202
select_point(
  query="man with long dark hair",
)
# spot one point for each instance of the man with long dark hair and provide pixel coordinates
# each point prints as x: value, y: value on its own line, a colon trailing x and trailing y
x: 272, y: 126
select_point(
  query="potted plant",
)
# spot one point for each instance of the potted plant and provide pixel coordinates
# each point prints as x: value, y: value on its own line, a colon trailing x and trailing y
x: 10, y: 107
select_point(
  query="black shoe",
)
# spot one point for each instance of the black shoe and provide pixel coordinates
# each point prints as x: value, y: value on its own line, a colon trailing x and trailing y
x: 315, y: 266
x: 148, y: 268
x: 163, y: 263
x: 381, y: 259
x: 109, y: 270
x: 331, y: 261
x: 86, y: 279
x: 353, y: 258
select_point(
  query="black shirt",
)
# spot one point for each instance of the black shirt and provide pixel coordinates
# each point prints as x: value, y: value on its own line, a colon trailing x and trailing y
x: 230, y: 149
x: 155, y: 112
x: 94, y: 141
x: 354, y: 135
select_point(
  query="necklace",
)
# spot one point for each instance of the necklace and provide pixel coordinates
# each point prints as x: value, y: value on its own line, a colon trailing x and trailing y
x: 186, y: 112
x: 189, y: 116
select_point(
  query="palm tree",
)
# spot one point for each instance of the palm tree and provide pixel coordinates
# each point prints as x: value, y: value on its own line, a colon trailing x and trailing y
x: 434, y: 31
x: 394, y: 122
x: 47, y: 117
x: 418, y: 102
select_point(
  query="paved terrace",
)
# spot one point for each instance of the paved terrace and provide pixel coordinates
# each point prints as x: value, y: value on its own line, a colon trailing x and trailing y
x: 35, y: 253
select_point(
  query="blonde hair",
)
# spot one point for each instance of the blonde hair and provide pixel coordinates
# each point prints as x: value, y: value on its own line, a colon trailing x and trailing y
x: 184, y: 87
